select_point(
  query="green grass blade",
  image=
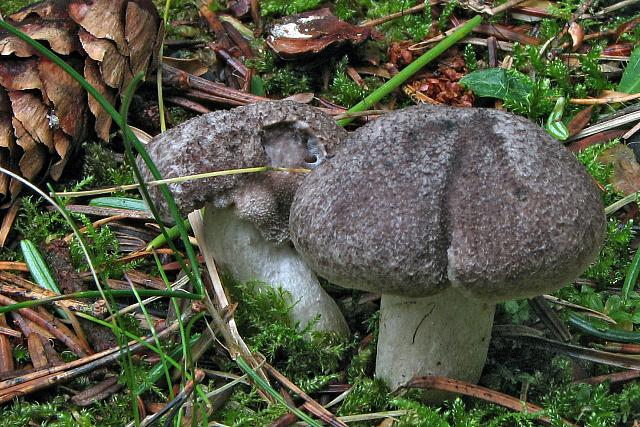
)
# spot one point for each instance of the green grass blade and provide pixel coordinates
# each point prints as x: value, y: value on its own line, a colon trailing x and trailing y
x: 38, y: 266
x: 413, y: 68
x: 277, y: 396
x: 119, y: 203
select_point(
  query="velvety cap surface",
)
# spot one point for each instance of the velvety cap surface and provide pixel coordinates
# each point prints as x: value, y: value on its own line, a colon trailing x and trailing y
x: 279, y: 133
x: 431, y: 197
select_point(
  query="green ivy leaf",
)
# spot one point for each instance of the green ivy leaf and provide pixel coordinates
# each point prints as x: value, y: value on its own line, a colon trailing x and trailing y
x: 630, y: 82
x: 498, y: 83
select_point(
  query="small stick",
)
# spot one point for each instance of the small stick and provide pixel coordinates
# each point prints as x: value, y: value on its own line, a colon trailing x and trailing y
x: 314, y: 407
x: 182, y: 179
x: 605, y: 100
x: 64, y: 336
x: 467, y: 389
x: 13, y: 266
x: 188, y: 104
x: 409, y: 11
x: 632, y: 131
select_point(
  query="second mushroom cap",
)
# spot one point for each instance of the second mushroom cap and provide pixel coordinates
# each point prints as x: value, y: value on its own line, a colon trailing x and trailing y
x: 432, y: 197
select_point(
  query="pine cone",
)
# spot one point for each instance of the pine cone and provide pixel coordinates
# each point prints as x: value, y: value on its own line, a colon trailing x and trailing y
x: 44, y: 113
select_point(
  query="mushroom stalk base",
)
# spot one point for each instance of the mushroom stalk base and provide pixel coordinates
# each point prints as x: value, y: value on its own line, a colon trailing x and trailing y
x: 239, y: 248
x: 446, y: 334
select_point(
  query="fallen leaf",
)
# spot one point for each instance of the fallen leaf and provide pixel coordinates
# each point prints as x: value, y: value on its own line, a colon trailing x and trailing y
x: 625, y: 177
x: 580, y: 121
x: 312, y: 32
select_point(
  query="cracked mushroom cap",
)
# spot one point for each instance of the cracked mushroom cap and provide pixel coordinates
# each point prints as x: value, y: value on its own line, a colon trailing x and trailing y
x: 276, y: 133
x: 434, y: 197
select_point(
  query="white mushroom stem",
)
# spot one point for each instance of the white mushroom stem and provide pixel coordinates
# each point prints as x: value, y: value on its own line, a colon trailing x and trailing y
x: 240, y: 249
x: 446, y: 334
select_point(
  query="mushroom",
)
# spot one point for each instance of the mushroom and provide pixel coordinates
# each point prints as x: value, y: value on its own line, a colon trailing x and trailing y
x: 446, y: 212
x: 247, y: 216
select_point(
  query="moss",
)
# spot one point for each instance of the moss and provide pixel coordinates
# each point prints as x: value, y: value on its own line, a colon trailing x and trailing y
x: 308, y: 357
x: 287, y: 7
x: 7, y: 7
x: 100, y: 164
x: 416, y: 26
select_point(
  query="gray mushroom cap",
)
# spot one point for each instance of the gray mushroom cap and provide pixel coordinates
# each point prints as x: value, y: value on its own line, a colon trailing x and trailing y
x: 278, y: 133
x: 429, y: 197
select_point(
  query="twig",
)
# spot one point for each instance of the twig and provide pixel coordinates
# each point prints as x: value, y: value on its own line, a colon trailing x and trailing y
x: 53, y: 330
x: 95, y: 225
x: 188, y: 104
x: 417, y: 8
x: 455, y: 386
x: 505, y: 6
x: 605, y: 100
x: 313, y: 406
x: 615, y: 7
x: 182, y: 179
x: 20, y: 386
x: 632, y: 131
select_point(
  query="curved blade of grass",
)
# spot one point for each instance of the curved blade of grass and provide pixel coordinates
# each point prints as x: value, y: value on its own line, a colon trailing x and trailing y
x: 129, y: 138
x: 38, y: 267
x: 271, y: 391
x: 116, y: 330
x: 413, y: 68
x: 172, y: 233
x: 114, y: 293
x: 588, y: 328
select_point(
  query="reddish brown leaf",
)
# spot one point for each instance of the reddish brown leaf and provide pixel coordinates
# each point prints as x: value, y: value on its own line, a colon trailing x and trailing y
x: 622, y: 49
x: 102, y: 19
x: 103, y: 119
x: 141, y: 28
x: 34, y: 154
x: 580, y: 120
x: 67, y: 96
x: 312, y: 32
x: 52, y: 9
x: 625, y: 177
x: 467, y: 389
x: 112, y: 63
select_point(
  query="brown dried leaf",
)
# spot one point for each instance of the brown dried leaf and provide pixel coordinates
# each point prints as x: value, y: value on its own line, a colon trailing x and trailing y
x: 626, y: 170
x: 621, y: 49
x: 112, y: 64
x: 61, y: 144
x: 52, y: 9
x: 19, y: 74
x: 141, y: 27
x: 33, y: 116
x: 312, y: 32
x: 34, y: 154
x: 58, y: 34
x: 580, y: 120
x: 103, y: 119
x: 102, y: 19
x: 192, y: 66
x: 67, y: 96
